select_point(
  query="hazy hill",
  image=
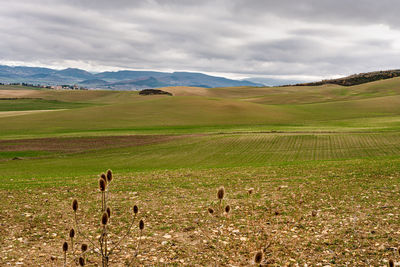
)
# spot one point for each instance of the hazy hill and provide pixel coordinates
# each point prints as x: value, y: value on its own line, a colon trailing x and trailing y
x: 75, y: 73
x: 274, y: 82
x: 127, y: 75
x: 118, y: 80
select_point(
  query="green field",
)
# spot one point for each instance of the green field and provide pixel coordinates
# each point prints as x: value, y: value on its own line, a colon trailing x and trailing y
x: 325, y: 108
x: 36, y: 104
x: 337, y: 149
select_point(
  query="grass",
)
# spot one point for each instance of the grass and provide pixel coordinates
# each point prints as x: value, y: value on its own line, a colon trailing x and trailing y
x: 323, y: 162
x: 36, y: 104
x: 330, y: 108
x: 197, y: 152
x: 19, y: 154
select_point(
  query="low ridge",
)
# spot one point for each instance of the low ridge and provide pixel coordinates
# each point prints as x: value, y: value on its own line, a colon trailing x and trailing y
x: 356, y: 79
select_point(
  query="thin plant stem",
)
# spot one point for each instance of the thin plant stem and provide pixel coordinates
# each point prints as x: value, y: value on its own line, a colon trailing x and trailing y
x: 81, y: 233
x: 105, y: 242
x: 122, y: 238
x: 102, y: 202
x: 137, y: 248
x: 209, y: 239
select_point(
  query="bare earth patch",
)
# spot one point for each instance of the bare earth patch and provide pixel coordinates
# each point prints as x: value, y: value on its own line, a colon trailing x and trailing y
x: 186, y: 91
x: 19, y: 93
x: 4, y: 114
x: 80, y: 144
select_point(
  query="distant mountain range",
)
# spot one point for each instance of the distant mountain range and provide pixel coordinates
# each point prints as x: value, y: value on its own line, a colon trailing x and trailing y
x: 274, y: 82
x: 118, y: 80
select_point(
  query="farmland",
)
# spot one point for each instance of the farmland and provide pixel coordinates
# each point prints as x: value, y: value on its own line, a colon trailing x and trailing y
x: 323, y: 162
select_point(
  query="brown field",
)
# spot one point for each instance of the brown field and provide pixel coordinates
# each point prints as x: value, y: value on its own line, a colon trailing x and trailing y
x: 186, y: 91
x: 80, y: 144
x: 19, y: 93
x: 4, y: 114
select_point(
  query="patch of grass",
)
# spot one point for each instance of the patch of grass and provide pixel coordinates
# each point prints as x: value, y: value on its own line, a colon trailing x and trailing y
x: 18, y: 87
x: 22, y: 154
x: 208, y: 151
x: 37, y: 104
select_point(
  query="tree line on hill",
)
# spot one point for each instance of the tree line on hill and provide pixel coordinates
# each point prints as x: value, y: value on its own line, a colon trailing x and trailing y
x: 356, y: 79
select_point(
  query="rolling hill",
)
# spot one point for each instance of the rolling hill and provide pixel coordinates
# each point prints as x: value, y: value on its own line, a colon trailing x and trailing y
x: 196, y: 109
x: 359, y: 78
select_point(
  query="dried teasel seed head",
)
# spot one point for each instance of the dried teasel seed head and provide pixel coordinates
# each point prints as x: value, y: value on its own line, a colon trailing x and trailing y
x: 227, y: 208
x: 135, y: 209
x: 104, y: 219
x: 108, y: 212
x: 102, y: 184
x: 258, y: 257
x: 75, y: 205
x: 103, y: 176
x: 72, y: 233
x: 109, y: 176
x: 81, y: 261
x: 250, y: 191
x: 84, y: 247
x: 391, y: 263
x: 211, y: 210
x: 141, y: 225
x: 221, y: 193
x: 65, y: 246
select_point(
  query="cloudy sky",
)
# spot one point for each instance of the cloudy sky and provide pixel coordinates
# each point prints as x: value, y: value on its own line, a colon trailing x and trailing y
x: 308, y: 39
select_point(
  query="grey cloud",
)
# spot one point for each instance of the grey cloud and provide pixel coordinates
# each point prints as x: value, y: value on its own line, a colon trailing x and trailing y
x: 326, y: 11
x: 244, y: 38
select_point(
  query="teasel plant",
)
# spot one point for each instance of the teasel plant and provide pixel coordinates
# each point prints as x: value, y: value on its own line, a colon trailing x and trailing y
x: 218, y: 212
x: 105, y: 247
x: 256, y: 232
x: 250, y: 213
x: 391, y: 262
x: 220, y: 196
x: 258, y: 257
x: 221, y: 214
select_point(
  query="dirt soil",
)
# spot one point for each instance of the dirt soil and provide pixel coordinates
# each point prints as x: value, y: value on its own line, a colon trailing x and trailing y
x: 80, y: 144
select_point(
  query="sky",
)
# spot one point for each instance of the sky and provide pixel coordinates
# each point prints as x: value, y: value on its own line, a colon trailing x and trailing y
x: 283, y: 39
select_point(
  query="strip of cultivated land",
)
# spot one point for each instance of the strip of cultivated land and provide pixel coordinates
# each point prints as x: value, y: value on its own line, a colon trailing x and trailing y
x: 67, y: 157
